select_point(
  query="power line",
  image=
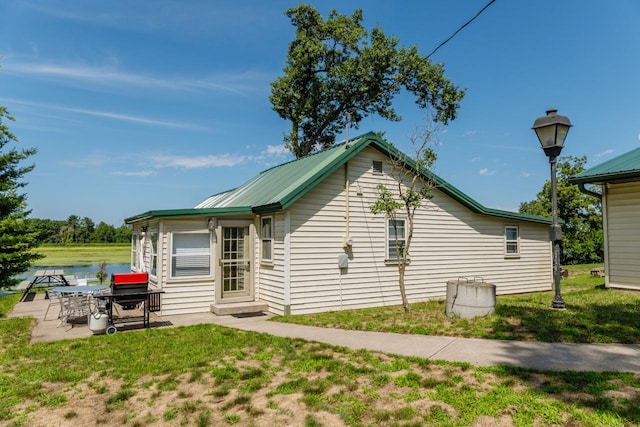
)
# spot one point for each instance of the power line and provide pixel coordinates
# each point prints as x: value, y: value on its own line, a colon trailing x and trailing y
x: 461, y: 28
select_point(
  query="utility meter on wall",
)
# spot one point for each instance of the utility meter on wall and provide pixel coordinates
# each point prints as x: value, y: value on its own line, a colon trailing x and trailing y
x: 343, y: 261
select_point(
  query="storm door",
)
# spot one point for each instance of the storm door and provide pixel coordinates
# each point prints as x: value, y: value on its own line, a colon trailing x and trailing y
x: 235, y: 263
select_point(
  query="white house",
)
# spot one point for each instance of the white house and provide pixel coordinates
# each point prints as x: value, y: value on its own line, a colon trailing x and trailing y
x: 300, y: 238
x: 619, y: 180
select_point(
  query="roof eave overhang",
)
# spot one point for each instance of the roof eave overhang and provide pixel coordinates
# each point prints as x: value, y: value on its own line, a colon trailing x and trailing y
x: 187, y: 213
x: 620, y: 177
x: 456, y: 194
x: 272, y: 207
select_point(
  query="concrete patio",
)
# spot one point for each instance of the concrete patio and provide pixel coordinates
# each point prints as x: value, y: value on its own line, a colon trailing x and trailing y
x: 50, y: 329
x: 478, y: 352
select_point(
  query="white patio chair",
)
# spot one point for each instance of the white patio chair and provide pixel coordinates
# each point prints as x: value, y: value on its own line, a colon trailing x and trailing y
x: 54, y: 300
x: 73, y: 305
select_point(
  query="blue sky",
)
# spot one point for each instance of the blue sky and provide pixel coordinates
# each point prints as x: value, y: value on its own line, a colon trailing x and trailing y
x: 140, y: 105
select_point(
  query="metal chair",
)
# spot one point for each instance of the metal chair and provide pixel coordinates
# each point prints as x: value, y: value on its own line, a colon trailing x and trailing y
x: 54, y: 300
x: 73, y: 305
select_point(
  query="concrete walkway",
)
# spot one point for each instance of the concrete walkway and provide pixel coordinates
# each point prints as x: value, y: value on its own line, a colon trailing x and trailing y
x: 478, y: 352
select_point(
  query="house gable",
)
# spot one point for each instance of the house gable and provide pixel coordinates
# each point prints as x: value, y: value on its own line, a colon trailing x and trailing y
x: 279, y: 187
x: 450, y: 241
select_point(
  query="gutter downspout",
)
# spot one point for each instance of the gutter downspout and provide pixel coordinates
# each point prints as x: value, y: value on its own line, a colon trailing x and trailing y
x: 605, y: 227
x: 345, y: 240
x: 588, y: 192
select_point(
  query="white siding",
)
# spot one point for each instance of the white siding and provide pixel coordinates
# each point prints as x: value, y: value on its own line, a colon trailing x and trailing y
x: 622, y: 223
x: 449, y: 241
x: 183, y: 296
x: 270, y: 276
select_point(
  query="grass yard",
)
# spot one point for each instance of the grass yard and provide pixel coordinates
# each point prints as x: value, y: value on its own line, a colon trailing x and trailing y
x: 594, y: 314
x: 67, y: 255
x: 207, y: 375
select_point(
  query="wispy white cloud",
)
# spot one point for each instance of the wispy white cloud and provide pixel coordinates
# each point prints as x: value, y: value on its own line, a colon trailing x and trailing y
x: 514, y: 147
x: 525, y: 174
x: 475, y: 159
x: 187, y: 17
x: 133, y: 173
x: 89, y: 161
x: 470, y: 133
x: 277, y: 150
x: 133, y: 118
x: 107, y: 114
x: 604, y: 153
x: 486, y: 172
x: 239, y: 82
x: 272, y: 152
x: 195, y: 162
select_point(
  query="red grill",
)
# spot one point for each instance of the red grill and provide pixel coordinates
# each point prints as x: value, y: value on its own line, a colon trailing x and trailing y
x: 123, y: 283
x: 129, y: 289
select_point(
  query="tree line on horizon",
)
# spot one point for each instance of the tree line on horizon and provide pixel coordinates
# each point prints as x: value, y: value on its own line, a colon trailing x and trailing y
x: 75, y: 230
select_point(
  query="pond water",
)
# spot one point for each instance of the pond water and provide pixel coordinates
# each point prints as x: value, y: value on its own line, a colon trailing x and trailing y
x: 81, y: 271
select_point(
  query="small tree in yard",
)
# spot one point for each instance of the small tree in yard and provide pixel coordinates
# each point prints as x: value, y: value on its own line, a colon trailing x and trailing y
x: 102, y: 274
x: 16, y: 241
x: 413, y: 187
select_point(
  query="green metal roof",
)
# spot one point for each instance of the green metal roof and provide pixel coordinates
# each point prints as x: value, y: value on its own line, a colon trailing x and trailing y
x: 625, y: 167
x: 279, y: 187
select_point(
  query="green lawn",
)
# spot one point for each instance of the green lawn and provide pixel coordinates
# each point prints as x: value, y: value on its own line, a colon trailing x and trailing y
x: 207, y: 375
x: 594, y: 314
x: 59, y: 255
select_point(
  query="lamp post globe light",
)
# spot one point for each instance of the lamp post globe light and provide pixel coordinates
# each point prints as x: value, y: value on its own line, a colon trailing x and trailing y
x: 552, y: 130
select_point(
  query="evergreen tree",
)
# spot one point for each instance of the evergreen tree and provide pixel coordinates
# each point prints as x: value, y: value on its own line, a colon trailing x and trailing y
x: 16, y: 240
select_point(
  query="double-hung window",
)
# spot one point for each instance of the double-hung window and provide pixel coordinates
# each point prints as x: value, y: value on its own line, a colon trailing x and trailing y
x: 190, y: 255
x: 396, y: 238
x: 266, y: 239
x: 135, y: 261
x: 511, y: 240
x: 153, y: 270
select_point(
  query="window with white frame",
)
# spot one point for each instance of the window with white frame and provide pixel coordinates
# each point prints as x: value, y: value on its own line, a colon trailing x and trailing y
x: 190, y: 255
x: 266, y: 236
x: 153, y: 270
x: 511, y: 240
x: 135, y: 262
x: 396, y: 237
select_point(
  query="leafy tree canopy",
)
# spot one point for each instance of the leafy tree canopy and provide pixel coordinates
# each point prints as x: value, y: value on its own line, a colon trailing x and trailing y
x: 335, y: 67
x: 77, y: 230
x: 582, y: 239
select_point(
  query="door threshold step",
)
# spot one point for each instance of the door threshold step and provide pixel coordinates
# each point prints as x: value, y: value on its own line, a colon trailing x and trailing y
x: 239, y: 308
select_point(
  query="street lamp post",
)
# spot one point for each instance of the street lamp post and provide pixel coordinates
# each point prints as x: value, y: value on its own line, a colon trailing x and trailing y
x: 552, y: 130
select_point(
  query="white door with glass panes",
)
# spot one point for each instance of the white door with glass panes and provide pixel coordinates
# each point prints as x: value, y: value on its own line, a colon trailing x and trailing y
x: 235, y: 263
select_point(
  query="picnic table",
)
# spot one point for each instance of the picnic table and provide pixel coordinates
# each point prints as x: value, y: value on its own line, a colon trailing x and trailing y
x: 44, y: 278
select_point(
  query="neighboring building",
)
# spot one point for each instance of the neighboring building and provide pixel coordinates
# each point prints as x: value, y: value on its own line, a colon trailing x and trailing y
x: 300, y: 238
x: 619, y: 180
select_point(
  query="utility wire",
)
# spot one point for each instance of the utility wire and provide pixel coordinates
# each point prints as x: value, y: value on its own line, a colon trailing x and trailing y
x: 461, y: 28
